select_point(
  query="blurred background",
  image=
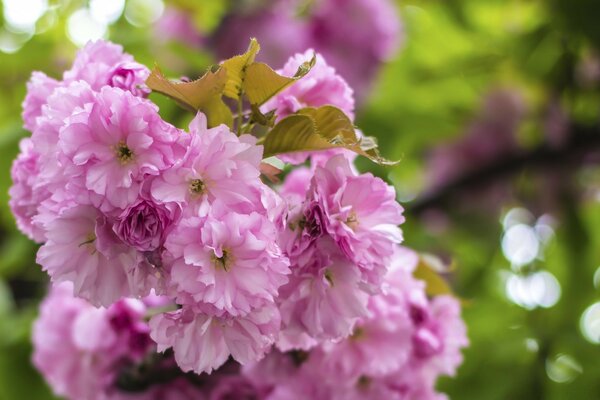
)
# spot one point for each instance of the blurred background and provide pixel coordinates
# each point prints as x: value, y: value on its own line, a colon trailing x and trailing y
x: 492, y: 106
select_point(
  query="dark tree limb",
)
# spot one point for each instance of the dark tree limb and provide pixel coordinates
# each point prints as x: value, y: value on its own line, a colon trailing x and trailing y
x: 582, y: 141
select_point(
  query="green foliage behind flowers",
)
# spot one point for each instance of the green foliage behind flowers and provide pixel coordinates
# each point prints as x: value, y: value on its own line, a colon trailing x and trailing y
x: 427, y: 98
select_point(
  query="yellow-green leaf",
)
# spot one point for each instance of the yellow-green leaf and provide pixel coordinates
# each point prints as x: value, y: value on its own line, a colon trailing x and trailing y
x: 435, y: 284
x: 261, y: 82
x: 236, y: 70
x: 204, y: 94
x: 312, y: 129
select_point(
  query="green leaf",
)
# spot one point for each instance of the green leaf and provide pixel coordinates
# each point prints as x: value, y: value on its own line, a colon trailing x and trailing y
x: 312, y: 129
x: 261, y: 82
x: 204, y: 94
x: 236, y: 67
x: 428, y: 271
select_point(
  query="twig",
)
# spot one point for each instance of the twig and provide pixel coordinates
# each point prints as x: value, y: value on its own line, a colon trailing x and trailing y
x: 582, y: 140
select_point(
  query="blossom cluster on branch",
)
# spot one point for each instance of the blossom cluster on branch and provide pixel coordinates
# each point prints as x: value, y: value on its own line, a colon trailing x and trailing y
x: 159, y: 239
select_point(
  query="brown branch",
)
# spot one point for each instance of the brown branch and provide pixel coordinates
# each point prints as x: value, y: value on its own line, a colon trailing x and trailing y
x: 582, y: 140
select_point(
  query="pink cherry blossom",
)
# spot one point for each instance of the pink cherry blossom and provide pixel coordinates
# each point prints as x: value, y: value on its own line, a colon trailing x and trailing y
x: 323, y: 300
x: 39, y: 87
x: 358, y: 211
x: 102, y: 63
x: 79, y: 348
x: 217, y: 165
x: 25, y: 196
x: 321, y: 86
x: 114, y: 145
x: 202, y: 341
x: 144, y: 225
x: 81, y: 248
x: 228, y: 260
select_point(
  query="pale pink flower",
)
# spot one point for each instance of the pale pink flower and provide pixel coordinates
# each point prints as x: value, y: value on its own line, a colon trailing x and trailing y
x: 25, y: 197
x: 116, y: 144
x: 217, y: 165
x: 79, y: 348
x: 321, y: 86
x: 39, y: 88
x: 102, y: 63
x: 322, y: 301
x: 380, y: 343
x: 228, y: 260
x: 81, y: 248
x: 203, y: 341
x: 359, y: 212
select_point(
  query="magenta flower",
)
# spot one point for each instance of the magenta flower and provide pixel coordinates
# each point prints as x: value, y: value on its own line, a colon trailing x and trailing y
x: 234, y: 387
x: 202, y: 341
x: 119, y: 141
x: 144, y: 225
x: 217, y: 165
x: 228, y: 260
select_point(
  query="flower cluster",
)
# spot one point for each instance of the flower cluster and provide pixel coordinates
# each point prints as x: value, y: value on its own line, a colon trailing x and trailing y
x: 396, y: 352
x: 128, y: 206
x: 94, y: 353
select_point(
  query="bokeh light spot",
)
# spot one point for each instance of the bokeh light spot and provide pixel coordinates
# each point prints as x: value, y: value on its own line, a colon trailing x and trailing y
x: 21, y: 15
x: 563, y: 368
x: 143, y: 12
x: 106, y: 11
x: 540, y: 289
x: 589, y: 324
x: 520, y: 244
x: 82, y: 27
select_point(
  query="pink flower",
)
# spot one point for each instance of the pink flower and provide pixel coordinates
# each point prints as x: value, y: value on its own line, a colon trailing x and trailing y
x: 359, y: 212
x: 177, y: 25
x: 39, y: 88
x: 25, y: 197
x: 103, y: 63
x: 217, y: 165
x: 380, y: 343
x: 323, y: 300
x: 228, y: 260
x: 441, y: 339
x: 356, y: 36
x: 321, y: 86
x: 79, y: 348
x: 279, y: 32
x: 81, y: 248
x: 202, y: 341
x: 119, y: 141
x: 144, y: 225
x: 64, y: 101
x: 233, y: 387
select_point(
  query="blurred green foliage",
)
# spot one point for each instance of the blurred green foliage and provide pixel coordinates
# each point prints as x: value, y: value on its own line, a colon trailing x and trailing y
x: 455, y: 52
